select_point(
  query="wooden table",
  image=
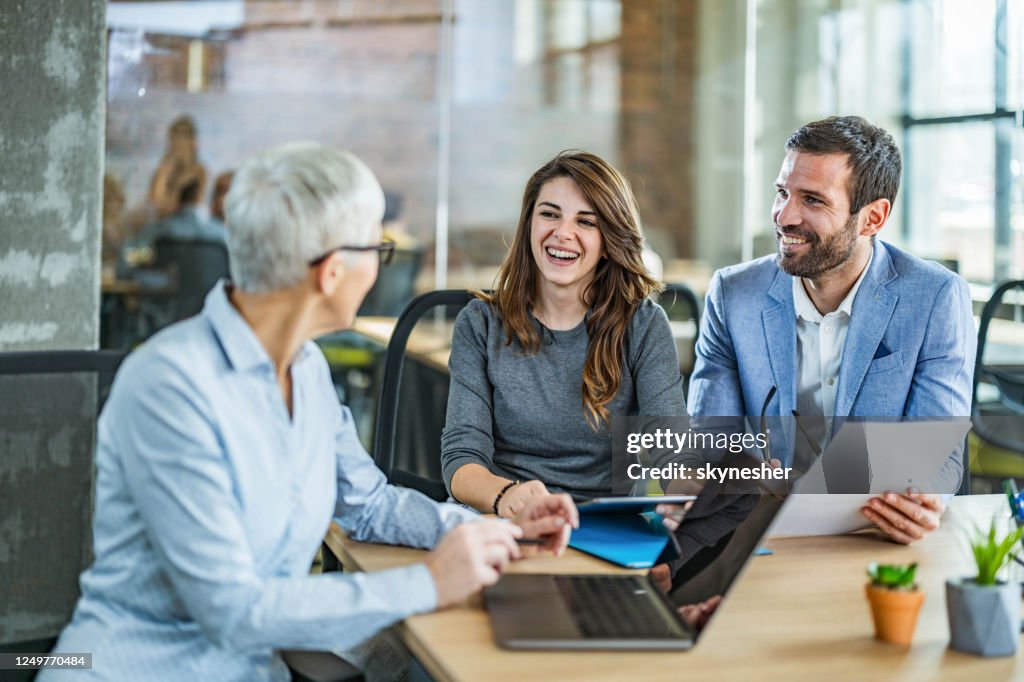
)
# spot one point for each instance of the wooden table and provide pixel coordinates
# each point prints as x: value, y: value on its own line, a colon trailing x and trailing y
x: 130, y: 311
x: 120, y: 287
x: 798, y: 614
x: 429, y: 342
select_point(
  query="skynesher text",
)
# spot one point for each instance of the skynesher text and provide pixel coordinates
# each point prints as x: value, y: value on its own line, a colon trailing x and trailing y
x: 708, y: 472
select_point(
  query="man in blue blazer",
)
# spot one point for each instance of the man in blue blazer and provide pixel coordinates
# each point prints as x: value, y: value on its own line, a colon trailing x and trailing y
x: 841, y: 324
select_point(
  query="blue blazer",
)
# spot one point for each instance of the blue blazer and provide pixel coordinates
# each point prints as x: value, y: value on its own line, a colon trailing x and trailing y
x: 909, y: 348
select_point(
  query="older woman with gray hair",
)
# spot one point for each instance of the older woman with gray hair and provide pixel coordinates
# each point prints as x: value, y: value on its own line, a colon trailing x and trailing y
x: 223, y: 455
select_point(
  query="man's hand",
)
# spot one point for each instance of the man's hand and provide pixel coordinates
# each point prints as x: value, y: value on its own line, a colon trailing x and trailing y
x: 515, y: 498
x: 697, y: 615
x: 905, y: 517
x: 549, y: 517
x: 661, y: 576
x: 471, y: 557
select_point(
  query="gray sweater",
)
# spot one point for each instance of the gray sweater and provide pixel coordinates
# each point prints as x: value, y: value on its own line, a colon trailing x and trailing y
x: 521, y: 416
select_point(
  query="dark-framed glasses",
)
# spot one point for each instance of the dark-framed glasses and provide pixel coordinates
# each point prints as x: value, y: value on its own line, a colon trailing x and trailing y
x: 386, y: 251
x: 766, y: 452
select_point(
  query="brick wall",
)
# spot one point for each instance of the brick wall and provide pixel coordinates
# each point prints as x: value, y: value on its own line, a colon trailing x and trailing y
x: 659, y: 72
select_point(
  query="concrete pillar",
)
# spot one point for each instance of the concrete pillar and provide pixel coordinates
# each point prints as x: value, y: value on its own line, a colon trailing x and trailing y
x: 51, y: 141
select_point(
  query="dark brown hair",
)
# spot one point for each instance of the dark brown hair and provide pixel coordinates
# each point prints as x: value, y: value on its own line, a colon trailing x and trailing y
x: 873, y: 156
x: 620, y: 283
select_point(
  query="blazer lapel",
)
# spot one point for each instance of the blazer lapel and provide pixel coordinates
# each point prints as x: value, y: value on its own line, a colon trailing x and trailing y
x: 779, y: 322
x: 872, y: 310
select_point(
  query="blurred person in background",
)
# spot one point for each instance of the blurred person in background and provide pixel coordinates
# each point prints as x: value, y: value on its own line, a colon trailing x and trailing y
x: 113, y: 220
x: 221, y: 185
x: 394, y: 226
x: 186, y: 223
x: 179, y: 168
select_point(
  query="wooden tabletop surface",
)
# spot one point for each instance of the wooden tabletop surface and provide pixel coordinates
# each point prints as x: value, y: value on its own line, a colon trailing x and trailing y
x: 799, y: 613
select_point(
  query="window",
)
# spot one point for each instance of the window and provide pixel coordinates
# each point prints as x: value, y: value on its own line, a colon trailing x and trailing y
x: 962, y: 140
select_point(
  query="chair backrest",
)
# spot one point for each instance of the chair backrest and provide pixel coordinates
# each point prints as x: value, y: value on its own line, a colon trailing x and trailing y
x: 965, y: 475
x: 998, y: 417
x: 683, y: 310
x: 47, y: 463
x: 198, y: 265
x: 387, y: 409
x: 395, y: 285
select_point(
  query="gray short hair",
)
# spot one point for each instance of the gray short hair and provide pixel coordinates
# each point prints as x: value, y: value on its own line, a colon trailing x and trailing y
x: 291, y: 204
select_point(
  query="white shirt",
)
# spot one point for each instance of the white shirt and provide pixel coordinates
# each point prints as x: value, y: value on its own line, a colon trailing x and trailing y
x: 819, y: 351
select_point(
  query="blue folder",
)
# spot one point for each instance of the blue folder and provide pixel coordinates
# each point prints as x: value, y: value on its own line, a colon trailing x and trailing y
x: 627, y: 539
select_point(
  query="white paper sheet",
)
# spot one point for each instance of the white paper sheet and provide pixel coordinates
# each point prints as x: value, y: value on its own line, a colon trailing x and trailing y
x: 820, y: 514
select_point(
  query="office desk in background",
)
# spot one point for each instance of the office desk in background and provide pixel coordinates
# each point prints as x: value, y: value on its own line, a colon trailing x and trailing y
x: 131, y: 311
x: 430, y: 341
x: 799, y: 614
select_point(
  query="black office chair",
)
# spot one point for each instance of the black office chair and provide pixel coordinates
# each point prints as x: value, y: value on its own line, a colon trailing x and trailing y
x: 965, y: 476
x: 320, y: 666
x: 997, y: 406
x: 682, y: 305
x: 679, y: 302
x: 196, y: 265
x: 387, y: 409
x: 47, y: 463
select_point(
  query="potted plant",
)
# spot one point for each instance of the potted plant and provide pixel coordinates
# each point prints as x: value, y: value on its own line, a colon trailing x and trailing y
x: 984, y: 611
x: 895, y: 601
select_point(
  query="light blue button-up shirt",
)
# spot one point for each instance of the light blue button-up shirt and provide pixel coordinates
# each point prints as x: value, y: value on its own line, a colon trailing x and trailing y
x: 211, y: 502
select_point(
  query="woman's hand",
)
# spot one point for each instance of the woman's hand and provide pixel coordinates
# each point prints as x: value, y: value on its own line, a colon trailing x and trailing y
x: 550, y: 518
x: 673, y: 514
x: 515, y: 499
x: 471, y: 557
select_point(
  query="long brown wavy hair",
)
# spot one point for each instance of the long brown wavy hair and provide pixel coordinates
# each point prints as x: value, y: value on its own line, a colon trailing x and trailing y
x: 620, y: 282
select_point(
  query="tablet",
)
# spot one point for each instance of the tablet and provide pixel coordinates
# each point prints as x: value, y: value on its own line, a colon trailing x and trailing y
x: 638, y: 504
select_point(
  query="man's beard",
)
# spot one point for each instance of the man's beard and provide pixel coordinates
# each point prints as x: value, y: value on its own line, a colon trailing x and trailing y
x: 823, y: 255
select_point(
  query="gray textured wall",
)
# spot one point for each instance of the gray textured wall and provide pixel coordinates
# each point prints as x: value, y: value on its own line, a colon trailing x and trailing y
x: 51, y: 142
x: 46, y: 481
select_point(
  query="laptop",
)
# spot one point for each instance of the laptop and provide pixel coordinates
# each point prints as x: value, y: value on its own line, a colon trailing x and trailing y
x: 624, y: 612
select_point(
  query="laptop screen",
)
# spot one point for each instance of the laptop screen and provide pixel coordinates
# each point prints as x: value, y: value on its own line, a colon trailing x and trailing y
x: 718, y: 537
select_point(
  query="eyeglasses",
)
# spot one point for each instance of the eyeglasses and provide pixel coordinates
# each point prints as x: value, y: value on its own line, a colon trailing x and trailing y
x: 815, y: 447
x: 386, y: 250
x: 766, y: 452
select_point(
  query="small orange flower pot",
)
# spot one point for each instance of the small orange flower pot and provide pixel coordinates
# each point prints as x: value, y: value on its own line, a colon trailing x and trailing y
x: 894, y: 612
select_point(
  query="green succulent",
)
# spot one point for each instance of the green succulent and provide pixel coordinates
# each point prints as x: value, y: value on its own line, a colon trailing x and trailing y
x: 893, y: 576
x: 993, y: 553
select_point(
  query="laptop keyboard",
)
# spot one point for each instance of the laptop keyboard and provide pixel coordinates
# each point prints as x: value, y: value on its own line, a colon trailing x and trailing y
x: 609, y: 607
